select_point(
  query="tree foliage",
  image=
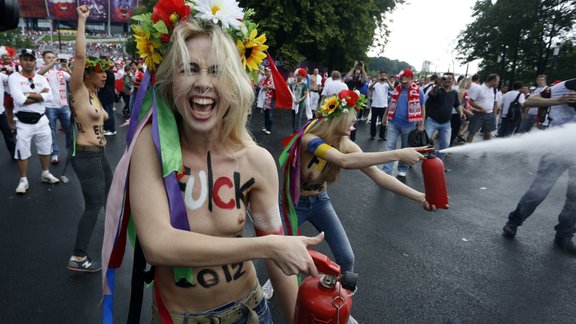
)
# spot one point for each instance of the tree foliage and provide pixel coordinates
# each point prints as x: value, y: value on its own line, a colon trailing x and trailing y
x: 392, y: 67
x: 518, y: 41
x: 16, y: 39
x: 333, y: 33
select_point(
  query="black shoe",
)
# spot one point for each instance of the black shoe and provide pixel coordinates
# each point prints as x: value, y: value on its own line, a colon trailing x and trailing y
x: 510, y: 229
x: 381, y: 139
x: 85, y: 265
x: 372, y: 137
x: 566, y: 245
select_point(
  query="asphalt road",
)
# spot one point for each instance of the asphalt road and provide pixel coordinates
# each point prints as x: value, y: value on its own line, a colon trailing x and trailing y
x: 413, y: 266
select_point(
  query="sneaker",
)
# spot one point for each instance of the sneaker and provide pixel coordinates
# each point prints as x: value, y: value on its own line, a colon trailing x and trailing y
x: 55, y: 159
x: 109, y: 133
x: 22, y: 187
x: 566, y: 245
x: 263, y: 130
x: 49, y: 178
x: 267, y: 132
x: 85, y: 265
x: 268, y: 290
x: 509, y: 229
x: 402, y: 174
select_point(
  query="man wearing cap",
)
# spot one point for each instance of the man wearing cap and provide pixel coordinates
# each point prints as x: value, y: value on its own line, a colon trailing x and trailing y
x: 30, y: 91
x: 300, y: 93
x: 405, y: 112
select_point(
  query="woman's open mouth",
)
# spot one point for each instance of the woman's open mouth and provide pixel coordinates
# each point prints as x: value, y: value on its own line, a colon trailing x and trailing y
x: 202, y: 107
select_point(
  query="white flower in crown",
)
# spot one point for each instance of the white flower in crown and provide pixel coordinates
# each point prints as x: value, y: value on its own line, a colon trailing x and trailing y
x: 228, y: 12
x: 344, y: 103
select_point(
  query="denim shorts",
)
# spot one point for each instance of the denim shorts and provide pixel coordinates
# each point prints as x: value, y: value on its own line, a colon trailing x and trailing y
x: 485, y: 122
x: 218, y: 314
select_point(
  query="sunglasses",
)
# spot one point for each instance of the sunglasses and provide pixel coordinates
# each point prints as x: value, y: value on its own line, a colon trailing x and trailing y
x: 32, y: 86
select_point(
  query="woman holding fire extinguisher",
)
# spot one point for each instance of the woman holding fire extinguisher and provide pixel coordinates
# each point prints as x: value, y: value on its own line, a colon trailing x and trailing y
x: 323, y: 148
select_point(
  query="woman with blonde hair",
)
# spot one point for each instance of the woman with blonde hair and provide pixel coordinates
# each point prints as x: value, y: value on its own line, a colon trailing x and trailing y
x: 324, y: 148
x: 192, y: 173
x: 460, y: 125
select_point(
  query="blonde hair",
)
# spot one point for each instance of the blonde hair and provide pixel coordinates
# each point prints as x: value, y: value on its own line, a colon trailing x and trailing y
x: 462, y: 87
x: 235, y: 86
x: 324, y: 129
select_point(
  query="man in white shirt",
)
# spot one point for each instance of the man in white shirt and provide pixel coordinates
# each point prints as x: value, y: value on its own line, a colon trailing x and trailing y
x: 482, y: 102
x: 509, y: 127
x: 57, y: 108
x: 333, y: 87
x: 315, y: 88
x: 529, y: 117
x: 380, y: 91
x: 30, y: 91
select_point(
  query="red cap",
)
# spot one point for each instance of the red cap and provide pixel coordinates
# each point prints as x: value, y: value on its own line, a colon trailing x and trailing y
x: 301, y: 72
x: 406, y: 73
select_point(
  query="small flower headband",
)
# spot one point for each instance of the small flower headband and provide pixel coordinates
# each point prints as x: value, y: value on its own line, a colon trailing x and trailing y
x: 152, y: 30
x: 97, y: 65
x: 343, y: 103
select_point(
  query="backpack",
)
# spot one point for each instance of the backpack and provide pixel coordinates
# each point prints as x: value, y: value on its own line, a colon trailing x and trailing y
x: 515, y: 110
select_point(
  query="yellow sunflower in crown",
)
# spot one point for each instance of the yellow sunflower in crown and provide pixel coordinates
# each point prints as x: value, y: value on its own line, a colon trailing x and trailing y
x: 147, y: 47
x: 252, y: 50
x: 329, y: 106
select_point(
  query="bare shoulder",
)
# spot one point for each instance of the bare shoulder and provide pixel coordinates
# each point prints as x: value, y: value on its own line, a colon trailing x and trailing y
x: 260, y: 160
x: 348, y: 146
x: 306, y: 138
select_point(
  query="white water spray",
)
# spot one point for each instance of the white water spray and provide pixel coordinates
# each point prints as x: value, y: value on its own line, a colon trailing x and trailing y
x: 556, y: 139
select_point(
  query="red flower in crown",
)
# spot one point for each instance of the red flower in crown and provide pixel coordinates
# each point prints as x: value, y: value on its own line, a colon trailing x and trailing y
x: 170, y: 11
x: 350, y: 96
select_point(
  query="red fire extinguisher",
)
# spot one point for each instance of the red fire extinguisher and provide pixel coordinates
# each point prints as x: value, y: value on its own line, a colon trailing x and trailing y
x: 434, y: 179
x: 326, y: 298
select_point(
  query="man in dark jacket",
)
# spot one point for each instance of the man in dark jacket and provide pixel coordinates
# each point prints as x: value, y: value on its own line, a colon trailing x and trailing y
x: 106, y: 96
x: 442, y: 100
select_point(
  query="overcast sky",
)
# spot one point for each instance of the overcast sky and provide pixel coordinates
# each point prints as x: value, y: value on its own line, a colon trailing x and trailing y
x: 427, y: 30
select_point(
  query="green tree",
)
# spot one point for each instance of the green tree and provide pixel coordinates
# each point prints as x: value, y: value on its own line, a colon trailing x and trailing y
x: 15, y: 39
x: 518, y: 43
x: 333, y: 33
x: 377, y: 64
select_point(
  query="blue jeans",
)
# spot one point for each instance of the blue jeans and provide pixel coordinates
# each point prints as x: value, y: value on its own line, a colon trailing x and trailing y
x: 527, y: 123
x: 508, y: 128
x: 550, y: 168
x: 261, y: 310
x: 393, y: 133
x: 297, y: 118
x: 63, y: 115
x: 319, y: 211
x: 444, y: 133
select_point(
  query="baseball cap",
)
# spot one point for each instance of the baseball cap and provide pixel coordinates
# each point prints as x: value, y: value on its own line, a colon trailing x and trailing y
x: 301, y: 72
x: 28, y: 52
x: 406, y: 73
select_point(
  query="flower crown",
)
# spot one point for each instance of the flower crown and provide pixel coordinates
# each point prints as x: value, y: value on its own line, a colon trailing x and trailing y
x: 152, y: 30
x: 97, y: 65
x: 343, y: 103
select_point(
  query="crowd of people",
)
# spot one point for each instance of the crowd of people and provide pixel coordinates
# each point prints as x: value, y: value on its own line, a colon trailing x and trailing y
x: 194, y: 128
